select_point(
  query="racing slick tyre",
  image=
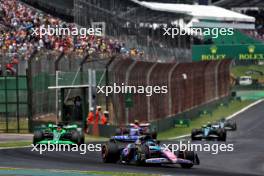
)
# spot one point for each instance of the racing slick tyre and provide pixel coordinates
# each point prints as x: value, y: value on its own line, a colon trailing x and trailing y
x: 82, y: 139
x: 194, y: 133
x: 154, y: 135
x: 222, y: 135
x: 110, y: 152
x: 142, y: 153
x: 151, y: 133
x: 188, y: 155
x: 232, y: 125
x: 38, y: 136
x: 75, y: 137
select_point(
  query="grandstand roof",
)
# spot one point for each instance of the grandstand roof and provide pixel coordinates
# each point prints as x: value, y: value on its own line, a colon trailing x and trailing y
x: 240, y: 3
x: 198, y: 11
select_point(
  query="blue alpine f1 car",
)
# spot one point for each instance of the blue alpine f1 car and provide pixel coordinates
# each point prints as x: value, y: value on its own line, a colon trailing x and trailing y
x: 133, y: 133
x: 146, y: 151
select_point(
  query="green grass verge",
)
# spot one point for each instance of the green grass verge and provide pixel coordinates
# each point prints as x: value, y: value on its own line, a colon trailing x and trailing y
x: 12, y: 125
x: 90, y: 138
x: 218, y: 113
x: 15, y: 144
x: 238, y: 71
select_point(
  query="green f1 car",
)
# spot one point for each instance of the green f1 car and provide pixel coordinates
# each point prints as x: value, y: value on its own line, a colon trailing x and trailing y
x: 59, y: 134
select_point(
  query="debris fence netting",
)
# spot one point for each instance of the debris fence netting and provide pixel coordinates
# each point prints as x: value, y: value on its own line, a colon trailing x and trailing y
x: 188, y: 85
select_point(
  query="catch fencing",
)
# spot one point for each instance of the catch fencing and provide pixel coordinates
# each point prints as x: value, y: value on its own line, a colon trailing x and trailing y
x: 72, y: 70
x: 189, y: 85
x: 13, y: 104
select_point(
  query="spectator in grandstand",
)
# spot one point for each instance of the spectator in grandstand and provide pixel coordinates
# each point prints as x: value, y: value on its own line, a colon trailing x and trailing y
x: 11, y: 67
x: 17, y: 38
x: 259, y: 32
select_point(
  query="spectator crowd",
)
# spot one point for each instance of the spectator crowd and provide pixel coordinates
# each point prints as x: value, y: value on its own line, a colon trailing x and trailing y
x: 259, y: 32
x: 18, y: 20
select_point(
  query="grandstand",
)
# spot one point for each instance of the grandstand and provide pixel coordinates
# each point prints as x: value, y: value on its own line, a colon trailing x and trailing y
x: 60, y: 8
x: 254, y: 8
x: 132, y: 23
x: 140, y: 23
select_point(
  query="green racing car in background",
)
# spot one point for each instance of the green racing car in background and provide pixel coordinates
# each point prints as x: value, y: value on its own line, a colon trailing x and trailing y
x: 59, y: 134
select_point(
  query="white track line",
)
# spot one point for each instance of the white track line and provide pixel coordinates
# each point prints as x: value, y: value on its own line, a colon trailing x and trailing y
x: 227, y: 118
x: 4, y: 148
x: 244, y: 109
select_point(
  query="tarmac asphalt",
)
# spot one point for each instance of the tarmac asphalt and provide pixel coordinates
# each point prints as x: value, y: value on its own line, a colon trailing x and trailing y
x: 247, y: 159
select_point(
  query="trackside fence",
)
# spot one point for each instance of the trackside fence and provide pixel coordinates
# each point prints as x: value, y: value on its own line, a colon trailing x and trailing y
x: 189, y: 85
x: 26, y: 101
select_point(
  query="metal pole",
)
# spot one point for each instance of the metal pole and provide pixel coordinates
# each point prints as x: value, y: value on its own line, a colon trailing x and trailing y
x: 17, y: 100
x: 57, y: 99
x: 127, y: 116
x: 29, y: 96
x: 6, y: 106
x: 90, y: 89
x: 30, y: 91
x: 107, y: 81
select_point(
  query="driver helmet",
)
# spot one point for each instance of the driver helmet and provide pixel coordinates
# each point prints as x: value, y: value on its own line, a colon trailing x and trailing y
x: 136, y: 122
x: 209, y: 124
x: 222, y: 119
x: 59, y: 126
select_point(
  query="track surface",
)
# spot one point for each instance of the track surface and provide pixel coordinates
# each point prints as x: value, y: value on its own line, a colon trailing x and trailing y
x: 247, y: 159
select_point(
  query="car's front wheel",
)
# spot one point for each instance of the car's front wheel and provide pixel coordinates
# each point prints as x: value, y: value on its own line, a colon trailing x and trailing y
x: 110, y: 152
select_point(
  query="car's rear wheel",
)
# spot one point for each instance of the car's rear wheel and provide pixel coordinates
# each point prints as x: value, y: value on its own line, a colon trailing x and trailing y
x: 154, y: 135
x: 195, y: 132
x: 188, y: 155
x: 233, y: 126
x: 75, y: 137
x: 38, y: 136
x: 82, y: 139
x: 110, y: 153
x: 222, y: 135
